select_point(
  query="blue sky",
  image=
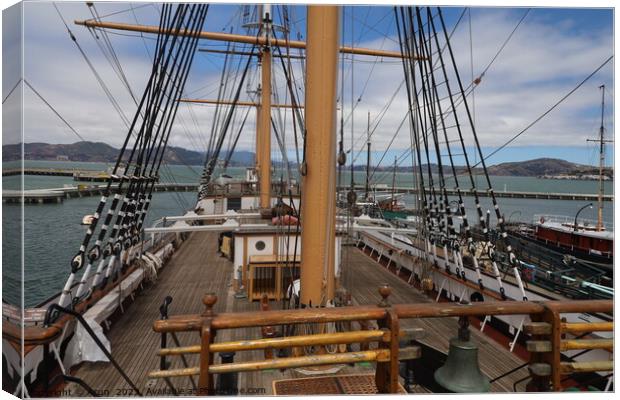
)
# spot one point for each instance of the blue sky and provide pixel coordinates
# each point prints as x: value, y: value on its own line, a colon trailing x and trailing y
x: 552, y: 51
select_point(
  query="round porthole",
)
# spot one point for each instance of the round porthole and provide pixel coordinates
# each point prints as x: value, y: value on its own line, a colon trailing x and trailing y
x: 260, y: 245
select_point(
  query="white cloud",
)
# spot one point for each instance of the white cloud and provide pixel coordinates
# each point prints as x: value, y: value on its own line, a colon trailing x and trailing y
x: 542, y: 62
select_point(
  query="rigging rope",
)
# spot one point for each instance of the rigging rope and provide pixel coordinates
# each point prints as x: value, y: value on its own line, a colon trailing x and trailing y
x: 543, y: 115
x: 134, y: 183
x: 53, y: 110
x: 436, y: 211
x: 12, y: 90
x: 470, y: 89
x: 215, y: 151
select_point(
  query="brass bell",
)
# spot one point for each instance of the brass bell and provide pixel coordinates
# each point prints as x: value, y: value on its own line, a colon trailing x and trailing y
x: 461, y: 373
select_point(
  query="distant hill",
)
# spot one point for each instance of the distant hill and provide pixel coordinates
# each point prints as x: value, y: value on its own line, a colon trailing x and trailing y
x: 79, y: 151
x: 102, y: 152
x: 537, y: 167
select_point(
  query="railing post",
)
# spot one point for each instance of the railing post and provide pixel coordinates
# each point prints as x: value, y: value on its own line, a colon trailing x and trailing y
x: 207, y: 336
x: 268, y: 332
x: 386, y: 375
x: 539, y: 369
x: 554, y: 357
x: 545, y: 364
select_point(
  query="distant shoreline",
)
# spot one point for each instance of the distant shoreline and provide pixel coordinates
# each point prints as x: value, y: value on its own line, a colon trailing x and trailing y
x: 97, y: 152
x: 576, y: 177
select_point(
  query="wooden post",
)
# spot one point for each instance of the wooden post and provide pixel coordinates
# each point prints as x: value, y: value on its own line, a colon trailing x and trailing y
x: 319, y: 195
x: 539, y: 370
x: 207, y: 336
x: 268, y: 332
x: 205, y: 381
x: 386, y: 374
x: 553, y: 358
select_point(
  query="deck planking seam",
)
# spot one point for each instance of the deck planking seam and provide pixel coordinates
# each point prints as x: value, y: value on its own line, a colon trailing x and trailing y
x: 187, y: 278
x: 495, y: 359
x: 136, y: 350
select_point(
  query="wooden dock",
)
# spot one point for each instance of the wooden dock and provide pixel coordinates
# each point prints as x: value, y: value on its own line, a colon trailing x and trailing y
x: 83, y: 175
x: 100, y: 176
x: 45, y: 171
x: 58, y: 195
x: 195, y: 270
x: 502, y: 194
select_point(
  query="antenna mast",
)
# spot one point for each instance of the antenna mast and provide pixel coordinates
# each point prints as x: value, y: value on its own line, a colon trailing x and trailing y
x: 602, y: 141
x: 601, y: 188
x: 368, y: 158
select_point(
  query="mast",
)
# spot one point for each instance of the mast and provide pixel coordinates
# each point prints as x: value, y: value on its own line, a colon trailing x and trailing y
x: 368, y: 158
x: 229, y: 37
x: 238, y: 103
x: 393, y: 184
x: 318, y: 215
x: 601, y: 187
x: 601, y: 166
x: 263, y: 134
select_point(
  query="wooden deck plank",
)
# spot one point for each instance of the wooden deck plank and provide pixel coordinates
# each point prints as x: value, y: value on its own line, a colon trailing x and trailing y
x: 196, y: 269
x: 365, y: 276
x: 186, y: 277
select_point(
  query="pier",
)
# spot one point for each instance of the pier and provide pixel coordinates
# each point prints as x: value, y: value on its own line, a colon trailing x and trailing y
x: 46, y: 171
x: 87, y: 175
x: 486, y: 193
x: 58, y: 195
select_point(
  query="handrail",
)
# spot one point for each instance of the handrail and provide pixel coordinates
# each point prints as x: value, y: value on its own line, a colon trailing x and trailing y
x: 548, y: 343
x: 292, y: 362
x: 566, y: 219
x: 272, y: 317
x: 581, y: 327
x: 580, y: 306
x: 546, y: 367
x: 354, y: 313
x: 284, y: 342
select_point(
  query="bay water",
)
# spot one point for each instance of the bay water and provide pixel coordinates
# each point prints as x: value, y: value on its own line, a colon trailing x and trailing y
x: 52, y: 233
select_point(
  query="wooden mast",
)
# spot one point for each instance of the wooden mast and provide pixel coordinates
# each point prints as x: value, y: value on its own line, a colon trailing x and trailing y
x: 238, y: 103
x: 319, y: 183
x: 293, y: 44
x: 393, y: 183
x: 263, y: 134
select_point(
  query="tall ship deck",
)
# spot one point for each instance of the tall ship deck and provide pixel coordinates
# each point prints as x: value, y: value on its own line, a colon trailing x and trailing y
x: 297, y: 284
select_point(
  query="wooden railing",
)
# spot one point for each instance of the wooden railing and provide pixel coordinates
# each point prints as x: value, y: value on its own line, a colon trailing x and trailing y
x: 548, y: 331
x: 387, y: 353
